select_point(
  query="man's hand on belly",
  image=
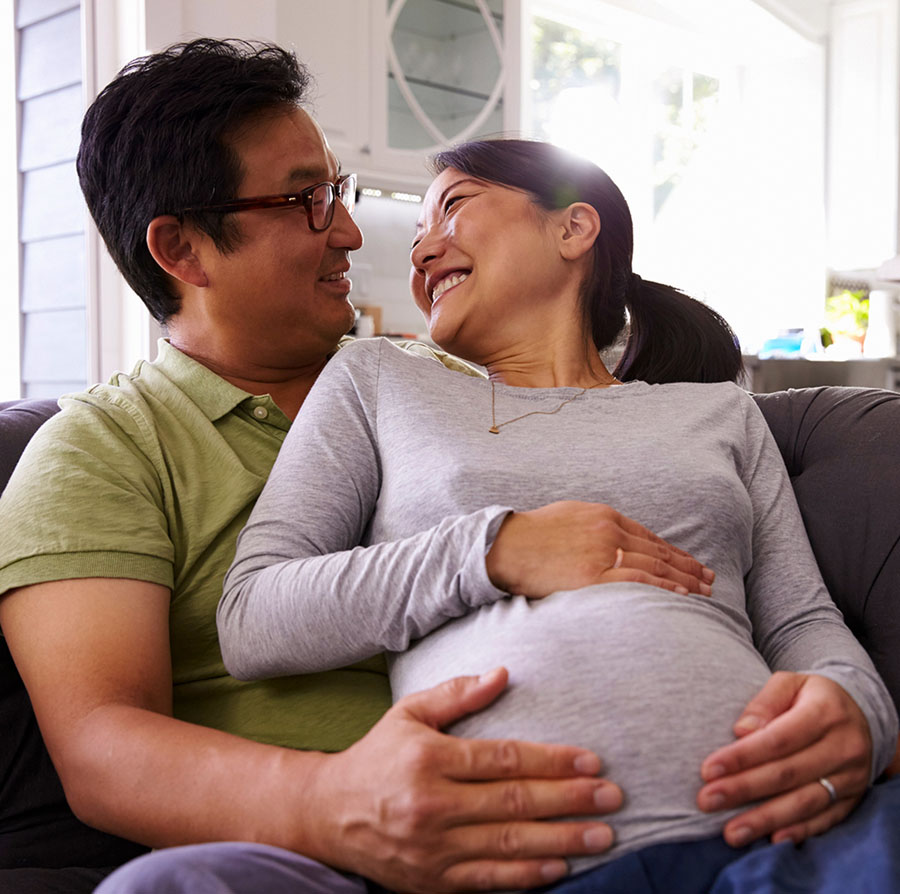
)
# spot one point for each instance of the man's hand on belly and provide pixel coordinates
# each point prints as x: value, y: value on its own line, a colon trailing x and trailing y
x: 418, y: 810
x: 798, y: 729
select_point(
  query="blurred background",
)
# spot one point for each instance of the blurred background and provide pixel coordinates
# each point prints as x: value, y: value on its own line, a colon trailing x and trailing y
x: 756, y: 142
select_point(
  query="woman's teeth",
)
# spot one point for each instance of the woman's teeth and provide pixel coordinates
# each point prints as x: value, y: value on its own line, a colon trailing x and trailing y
x: 453, y: 280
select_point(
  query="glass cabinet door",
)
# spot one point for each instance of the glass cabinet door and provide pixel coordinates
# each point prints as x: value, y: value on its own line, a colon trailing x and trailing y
x: 445, y: 71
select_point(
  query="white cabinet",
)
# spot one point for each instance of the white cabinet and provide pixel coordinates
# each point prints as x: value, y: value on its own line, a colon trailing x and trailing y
x: 334, y: 40
x: 398, y: 79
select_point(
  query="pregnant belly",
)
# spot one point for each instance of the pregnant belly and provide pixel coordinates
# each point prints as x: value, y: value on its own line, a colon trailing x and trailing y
x: 650, y: 681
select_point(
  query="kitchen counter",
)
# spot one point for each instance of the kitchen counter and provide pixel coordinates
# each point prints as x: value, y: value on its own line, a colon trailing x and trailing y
x: 778, y: 373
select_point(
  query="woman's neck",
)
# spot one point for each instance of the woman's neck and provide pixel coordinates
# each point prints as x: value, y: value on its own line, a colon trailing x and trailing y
x: 579, y: 367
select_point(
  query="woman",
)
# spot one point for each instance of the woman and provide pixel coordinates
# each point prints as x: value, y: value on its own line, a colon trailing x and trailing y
x: 522, y: 263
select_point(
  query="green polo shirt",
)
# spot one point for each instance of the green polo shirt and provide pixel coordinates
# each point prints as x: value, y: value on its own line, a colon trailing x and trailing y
x: 151, y: 477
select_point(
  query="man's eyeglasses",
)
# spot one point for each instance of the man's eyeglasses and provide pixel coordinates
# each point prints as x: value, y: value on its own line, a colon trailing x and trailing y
x: 318, y: 200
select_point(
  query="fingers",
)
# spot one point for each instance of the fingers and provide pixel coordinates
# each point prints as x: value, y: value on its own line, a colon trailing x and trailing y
x: 821, y: 732
x: 514, y: 855
x: 508, y: 876
x: 476, y: 760
x: 839, y: 761
x: 792, y: 816
x: 821, y: 715
x: 636, y: 529
x: 662, y: 566
x: 772, y: 700
x: 643, y: 540
x: 639, y: 568
x: 531, y: 799
x: 775, y: 778
x: 449, y: 701
x: 818, y: 823
x: 783, y: 737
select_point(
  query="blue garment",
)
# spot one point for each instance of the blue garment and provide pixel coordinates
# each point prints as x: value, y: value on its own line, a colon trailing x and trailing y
x: 861, y: 854
x: 685, y: 867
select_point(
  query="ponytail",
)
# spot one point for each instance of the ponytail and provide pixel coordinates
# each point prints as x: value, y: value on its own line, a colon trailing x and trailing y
x: 674, y: 338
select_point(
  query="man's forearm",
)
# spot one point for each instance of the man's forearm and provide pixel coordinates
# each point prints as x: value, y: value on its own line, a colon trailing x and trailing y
x: 407, y: 806
x: 162, y: 782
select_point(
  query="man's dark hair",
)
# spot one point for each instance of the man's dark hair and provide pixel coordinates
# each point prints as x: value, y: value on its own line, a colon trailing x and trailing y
x: 155, y: 141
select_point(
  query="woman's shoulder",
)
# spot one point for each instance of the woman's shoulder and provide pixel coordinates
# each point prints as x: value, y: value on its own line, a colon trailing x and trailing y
x: 708, y: 391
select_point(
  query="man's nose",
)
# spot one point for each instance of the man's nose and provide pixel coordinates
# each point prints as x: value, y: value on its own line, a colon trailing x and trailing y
x: 344, y: 232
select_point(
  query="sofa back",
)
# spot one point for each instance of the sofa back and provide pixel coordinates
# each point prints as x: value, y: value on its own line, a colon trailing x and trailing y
x: 841, y: 447
x: 36, y: 826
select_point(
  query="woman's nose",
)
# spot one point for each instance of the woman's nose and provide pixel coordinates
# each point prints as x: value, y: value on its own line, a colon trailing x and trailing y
x: 425, y: 251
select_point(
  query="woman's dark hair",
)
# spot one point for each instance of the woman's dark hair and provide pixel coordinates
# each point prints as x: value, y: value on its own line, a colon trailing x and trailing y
x: 672, y: 337
x: 155, y: 141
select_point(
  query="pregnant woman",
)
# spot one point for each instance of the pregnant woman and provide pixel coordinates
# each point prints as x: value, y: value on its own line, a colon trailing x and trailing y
x: 396, y: 514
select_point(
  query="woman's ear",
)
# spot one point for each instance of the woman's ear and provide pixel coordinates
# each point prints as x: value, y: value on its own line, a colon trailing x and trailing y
x: 579, y: 228
x: 172, y: 245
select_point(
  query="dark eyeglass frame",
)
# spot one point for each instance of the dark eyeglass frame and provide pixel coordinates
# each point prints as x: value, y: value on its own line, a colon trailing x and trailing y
x: 344, y: 188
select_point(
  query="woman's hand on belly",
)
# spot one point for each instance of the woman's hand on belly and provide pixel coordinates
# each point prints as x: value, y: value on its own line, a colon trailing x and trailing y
x: 798, y: 729
x: 569, y: 545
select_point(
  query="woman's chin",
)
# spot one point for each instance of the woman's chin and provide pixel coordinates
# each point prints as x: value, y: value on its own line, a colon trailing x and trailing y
x: 444, y: 336
x: 450, y: 335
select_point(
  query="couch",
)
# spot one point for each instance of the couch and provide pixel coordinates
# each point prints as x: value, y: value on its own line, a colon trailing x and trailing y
x: 842, y: 450
x: 37, y: 829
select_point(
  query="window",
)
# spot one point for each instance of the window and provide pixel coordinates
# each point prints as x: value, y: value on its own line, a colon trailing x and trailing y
x: 50, y: 319
x: 710, y: 118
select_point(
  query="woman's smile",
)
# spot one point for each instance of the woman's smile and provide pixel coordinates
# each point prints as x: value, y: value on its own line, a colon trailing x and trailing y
x: 446, y: 283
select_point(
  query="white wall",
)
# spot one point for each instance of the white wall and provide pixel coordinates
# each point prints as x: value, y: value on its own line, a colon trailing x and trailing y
x: 864, y: 124
x: 9, y: 208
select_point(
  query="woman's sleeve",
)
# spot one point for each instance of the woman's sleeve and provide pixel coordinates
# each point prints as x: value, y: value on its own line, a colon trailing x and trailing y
x: 796, y: 624
x: 302, y: 595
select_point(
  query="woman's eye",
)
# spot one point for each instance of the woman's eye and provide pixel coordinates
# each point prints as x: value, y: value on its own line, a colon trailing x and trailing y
x: 452, y: 200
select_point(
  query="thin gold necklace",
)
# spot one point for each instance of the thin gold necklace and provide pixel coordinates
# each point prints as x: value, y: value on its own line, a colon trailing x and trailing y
x: 496, y: 426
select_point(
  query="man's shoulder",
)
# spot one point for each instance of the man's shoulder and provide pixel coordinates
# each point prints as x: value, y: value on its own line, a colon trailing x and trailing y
x: 117, y: 419
x: 117, y: 409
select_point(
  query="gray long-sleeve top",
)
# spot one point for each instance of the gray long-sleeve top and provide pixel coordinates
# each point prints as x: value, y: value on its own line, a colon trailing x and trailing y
x: 371, y: 534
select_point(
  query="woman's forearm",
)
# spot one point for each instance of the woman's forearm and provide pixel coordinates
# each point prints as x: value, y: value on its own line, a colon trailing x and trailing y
x: 284, y: 612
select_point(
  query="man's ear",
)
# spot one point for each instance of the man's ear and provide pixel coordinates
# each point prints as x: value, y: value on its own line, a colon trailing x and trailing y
x: 172, y: 245
x: 579, y: 228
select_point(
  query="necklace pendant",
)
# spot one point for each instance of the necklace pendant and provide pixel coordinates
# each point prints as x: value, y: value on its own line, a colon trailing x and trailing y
x: 494, y: 430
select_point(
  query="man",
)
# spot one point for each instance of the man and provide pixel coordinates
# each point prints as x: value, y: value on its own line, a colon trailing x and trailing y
x: 121, y: 522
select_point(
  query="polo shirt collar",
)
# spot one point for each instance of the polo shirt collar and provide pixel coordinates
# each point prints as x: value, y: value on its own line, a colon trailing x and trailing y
x: 210, y: 392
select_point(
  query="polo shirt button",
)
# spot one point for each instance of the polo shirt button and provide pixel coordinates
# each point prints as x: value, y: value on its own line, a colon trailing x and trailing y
x: 260, y: 412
